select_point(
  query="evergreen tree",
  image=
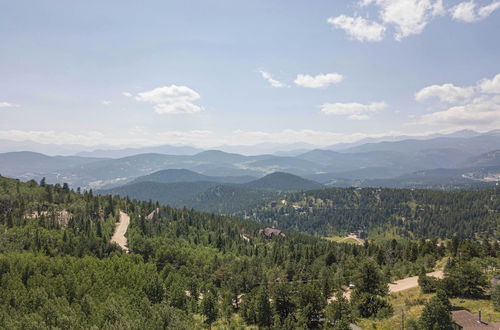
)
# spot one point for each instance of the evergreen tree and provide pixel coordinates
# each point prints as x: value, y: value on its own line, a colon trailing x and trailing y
x: 263, y: 313
x: 209, y: 308
x: 436, y: 315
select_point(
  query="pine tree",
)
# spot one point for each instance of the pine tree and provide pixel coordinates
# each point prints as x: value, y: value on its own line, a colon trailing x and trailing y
x: 436, y: 315
x: 209, y: 308
x: 263, y: 313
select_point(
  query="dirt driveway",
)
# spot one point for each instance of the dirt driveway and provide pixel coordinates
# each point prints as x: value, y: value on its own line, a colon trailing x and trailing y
x: 397, y: 286
x: 411, y: 282
x: 120, y: 230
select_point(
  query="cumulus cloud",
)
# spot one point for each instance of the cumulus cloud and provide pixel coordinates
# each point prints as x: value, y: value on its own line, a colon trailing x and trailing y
x: 318, y: 81
x: 178, y: 107
x: 408, y: 16
x: 481, y: 112
x: 358, y: 28
x: 8, y: 105
x: 490, y: 86
x: 127, y: 94
x: 273, y: 82
x: 476, y: 107
x: 105, y: 102
x: 468, y: 11
x: 171, y: 99
x: 200, y: 138
x: 353, y: 111
x: 446, y: 93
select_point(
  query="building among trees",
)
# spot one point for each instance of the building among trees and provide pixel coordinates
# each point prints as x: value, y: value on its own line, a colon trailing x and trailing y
x: 465, y: 320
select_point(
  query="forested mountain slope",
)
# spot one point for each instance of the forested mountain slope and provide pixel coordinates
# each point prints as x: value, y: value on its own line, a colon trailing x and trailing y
x: 414, y: 213
x: 183, y: 175
x: 185, y: 269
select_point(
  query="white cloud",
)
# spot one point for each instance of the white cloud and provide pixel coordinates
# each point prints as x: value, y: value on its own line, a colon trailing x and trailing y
x: 171, y: 99
x: 491, y: 86
x: 358, y: 28
x: 136, y: 137
x: 408, y: 16
x: 54, y: 137
x: 318, y: 81
x: 177, y: 108
x: 446, y: 93
x: 478, y: 106
x: 8, y: 105
x: 354, y: 111
x: 127, y: 94
x: 481, y: 112
x: 273, y: 82
x: 104, y: 102
x: 467, y: 11
x: 358, y: 117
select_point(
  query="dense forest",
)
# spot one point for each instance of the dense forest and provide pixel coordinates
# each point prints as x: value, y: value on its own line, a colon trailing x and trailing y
x: 186, y: 269
x: 411, y: 213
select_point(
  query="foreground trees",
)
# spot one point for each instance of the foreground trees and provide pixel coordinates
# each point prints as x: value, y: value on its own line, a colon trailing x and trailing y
x: 188, y: 268
x: 370, y: 289
x: 436, y: 314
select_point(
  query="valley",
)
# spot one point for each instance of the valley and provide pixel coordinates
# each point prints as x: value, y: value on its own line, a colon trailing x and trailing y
x: 434, y: 163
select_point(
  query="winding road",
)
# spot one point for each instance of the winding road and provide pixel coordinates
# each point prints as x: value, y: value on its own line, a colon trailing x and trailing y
x: 120, y: 230
x: 411, y: 282
x: 399, y: 285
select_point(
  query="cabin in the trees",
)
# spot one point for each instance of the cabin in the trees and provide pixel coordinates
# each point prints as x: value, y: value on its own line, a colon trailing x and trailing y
x: 270, y: 232
x: 465, y: 320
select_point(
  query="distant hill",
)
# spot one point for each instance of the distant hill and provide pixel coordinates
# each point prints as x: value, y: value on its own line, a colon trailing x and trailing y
x: 472, y: 145
x: 228, y: 199
x: 23, y: 162
x: 491, y: 158
x: 182, y: 175
x: 280, y: 181
x: 211, y: 196
x: 460, y: 134
x: 175, y: 194
x: 126, y: 152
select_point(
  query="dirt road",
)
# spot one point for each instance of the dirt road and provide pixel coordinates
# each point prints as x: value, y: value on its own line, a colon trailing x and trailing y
x: 411, y: 282
x: 120, y: 230
x: 397, y: 286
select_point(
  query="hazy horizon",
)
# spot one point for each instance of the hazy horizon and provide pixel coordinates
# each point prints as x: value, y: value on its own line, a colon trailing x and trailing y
x: 208, y: 74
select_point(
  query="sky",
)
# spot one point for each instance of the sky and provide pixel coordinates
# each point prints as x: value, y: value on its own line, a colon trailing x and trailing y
x: 229, y: 72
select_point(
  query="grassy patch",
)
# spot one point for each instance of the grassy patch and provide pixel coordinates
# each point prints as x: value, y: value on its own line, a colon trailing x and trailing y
x: 412, y: 302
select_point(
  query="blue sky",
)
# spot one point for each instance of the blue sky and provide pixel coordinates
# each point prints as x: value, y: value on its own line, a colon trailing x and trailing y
x: 199, y: 72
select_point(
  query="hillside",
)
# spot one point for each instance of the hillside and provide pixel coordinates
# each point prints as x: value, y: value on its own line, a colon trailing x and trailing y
x: 472, y: 145
x: 182, y: 175
x: 182, y: 263
x: 175, y: 193
x: 210, y: 196
x: 488, y: 159
x: 280, y: 181
x: 25, y: 162
x: 409, y: 212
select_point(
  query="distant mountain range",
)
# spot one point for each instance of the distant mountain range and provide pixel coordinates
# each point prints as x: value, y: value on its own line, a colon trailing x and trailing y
x: 473, y: 157
x: 278, y: 149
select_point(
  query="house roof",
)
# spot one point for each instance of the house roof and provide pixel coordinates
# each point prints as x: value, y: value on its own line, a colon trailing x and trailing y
x: 467, y: 321
x: 271, y: 231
